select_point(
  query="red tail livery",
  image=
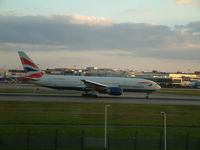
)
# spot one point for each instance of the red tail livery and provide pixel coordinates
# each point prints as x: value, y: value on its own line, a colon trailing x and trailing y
x: 31, y: 69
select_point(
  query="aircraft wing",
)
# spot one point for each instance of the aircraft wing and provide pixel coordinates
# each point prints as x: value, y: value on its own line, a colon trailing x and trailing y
x: 95, y: 85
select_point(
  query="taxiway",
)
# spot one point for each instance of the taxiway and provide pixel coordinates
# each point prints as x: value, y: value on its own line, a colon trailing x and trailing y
x: 135, y: 98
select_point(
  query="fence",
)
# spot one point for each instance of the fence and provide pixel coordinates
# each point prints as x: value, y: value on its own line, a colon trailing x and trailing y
x: 58, y: 140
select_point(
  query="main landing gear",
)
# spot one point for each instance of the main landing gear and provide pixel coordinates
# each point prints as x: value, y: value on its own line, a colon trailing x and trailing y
x: 89, y: 94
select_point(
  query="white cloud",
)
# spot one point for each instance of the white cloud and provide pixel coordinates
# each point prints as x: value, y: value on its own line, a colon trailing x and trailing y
x: 194, y: 3
x: 89, y: 20
x: 181, y: 2
x: 76, y: 33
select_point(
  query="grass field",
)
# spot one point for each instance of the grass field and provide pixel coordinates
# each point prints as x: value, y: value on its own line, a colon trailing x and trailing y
x: 93, y: 114
x: 179, y: 91
x: 181, y: 120
x: 33, y: 90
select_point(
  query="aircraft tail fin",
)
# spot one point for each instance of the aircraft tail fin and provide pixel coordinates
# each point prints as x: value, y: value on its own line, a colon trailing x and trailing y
x: 28, y: 64
x: 32, y: 71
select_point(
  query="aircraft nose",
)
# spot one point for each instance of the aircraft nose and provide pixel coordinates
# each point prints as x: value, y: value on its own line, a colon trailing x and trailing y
x: 158, y: 87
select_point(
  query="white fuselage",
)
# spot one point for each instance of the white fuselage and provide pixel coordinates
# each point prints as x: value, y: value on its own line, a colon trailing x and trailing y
x: 69, y: 82
x: 105, y: 85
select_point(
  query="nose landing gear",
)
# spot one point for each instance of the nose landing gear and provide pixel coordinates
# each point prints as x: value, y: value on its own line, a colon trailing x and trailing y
x: 147, y: 96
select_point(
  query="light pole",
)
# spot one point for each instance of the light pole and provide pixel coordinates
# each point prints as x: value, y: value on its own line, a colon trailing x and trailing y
x: 165, y: 129
x: 106, y: 108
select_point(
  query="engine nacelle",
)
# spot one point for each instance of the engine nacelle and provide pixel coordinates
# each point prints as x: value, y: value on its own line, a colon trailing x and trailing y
x: 115, y: 91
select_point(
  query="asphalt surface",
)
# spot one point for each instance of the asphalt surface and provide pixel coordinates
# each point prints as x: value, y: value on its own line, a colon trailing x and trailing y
x: 135, y: 98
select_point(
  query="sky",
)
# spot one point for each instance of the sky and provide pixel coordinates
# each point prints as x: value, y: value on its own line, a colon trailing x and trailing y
x: 125, y: 34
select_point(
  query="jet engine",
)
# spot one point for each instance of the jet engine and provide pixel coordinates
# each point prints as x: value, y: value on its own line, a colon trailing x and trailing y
x: 115, y: 91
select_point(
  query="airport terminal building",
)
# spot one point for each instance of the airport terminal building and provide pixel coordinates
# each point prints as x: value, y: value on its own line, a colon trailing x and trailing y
x: 172, y: 79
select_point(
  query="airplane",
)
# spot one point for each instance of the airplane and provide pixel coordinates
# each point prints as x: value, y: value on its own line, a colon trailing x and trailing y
x: 89, y: 85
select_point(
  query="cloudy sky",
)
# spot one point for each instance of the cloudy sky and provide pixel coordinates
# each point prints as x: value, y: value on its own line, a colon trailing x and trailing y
x: 127, y: 34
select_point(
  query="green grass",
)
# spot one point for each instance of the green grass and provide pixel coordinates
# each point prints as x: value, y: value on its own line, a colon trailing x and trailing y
x: 190, y: 92
x: 93, y: 113
x: 34, y: 90
x: 92, y: 132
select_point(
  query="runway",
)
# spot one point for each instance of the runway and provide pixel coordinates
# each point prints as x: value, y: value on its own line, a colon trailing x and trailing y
x: 133, y: 98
